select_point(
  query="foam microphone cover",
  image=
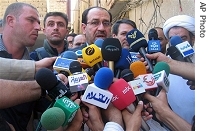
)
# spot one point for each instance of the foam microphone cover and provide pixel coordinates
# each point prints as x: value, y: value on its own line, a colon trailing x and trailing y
x: 161, y: 66
x: 174, y: 53
x: 136, y: 40
x: 124, y: 61
x: 52, y: 118
x: 111, y: 49
x: 153, y: 35
x: 69, y: 55
x: 98, y: 42
x: 103, y: 78
x: 127, y: 75
x: 75, y: 66
x: 46, y: 78
x: 138, y: 68
x: 123, y: 94
x: 92, y: 55
x: 175, y: 40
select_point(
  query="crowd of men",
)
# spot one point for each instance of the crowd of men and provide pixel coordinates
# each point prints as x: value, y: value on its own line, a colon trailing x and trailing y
x: 23, y: 100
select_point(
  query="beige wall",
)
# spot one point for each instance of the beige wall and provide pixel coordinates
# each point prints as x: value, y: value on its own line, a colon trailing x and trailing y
x: 147, y: 17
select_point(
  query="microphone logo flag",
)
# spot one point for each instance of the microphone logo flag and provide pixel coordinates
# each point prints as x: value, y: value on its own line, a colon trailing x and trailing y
x: 148, y: 80
x: 185, y: 49
x: 154, y: 46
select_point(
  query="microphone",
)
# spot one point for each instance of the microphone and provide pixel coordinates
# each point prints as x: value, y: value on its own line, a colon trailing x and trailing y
x: 111, y: 50
x: 153, y: 43
x: 81, y: 60
x: 78, y: 80
x: 48, y: 81
x: 62, y: 112
x: 160, y: 73
x: 97, y: 93
x: 98, y: 42
x: 134, y: 57
x: 62, y: 63
x: 52, y: 118
x: 123, y: 63
x: 139, y: 70
x: 138, y: 43
x: 174, y: 53
x: 184, y: 47
x: 92, y: 56
x: 138, y: 89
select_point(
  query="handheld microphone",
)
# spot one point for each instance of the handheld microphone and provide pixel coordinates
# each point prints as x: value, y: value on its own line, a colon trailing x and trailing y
x: 153, y: 43
x: 97, y: 93
x: 123, y: 95
x: 111, y: 50
x: 92, y: 56
x: 147, y: 79
x: 138, y: 89
x: 184, y: 47
x: 48, y: 81
x: 69, y: 55
x: 123, y: 63
x: 81, y: 60
x: 62, y: 63
x: 138, y: 43
x: 78, y: 80
x: 98, y: 42
x: 160, y: 73
x: 62, y: 112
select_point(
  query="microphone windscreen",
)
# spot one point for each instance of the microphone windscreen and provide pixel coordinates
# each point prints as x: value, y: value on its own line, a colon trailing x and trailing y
x: 52, y: 118
x: 138, y: 68
x: 69, y: 55
x: 161, y: 66
x: 153, y: 34
x: 92, y: 55
x: 124, y: 61
x: 46, y: 78
x: 136, y: 40
x: 103, y: 78
x: 111, y: 49
x: 90, y: 71
x: 98, y: 42
x: 75, y: 66
x: 175, y: 40
x: 127, y: 75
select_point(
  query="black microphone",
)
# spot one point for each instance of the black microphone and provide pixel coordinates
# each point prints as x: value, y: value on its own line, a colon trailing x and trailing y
x: 48, y: 81
x: 153, y: 44
x: 138, y: 43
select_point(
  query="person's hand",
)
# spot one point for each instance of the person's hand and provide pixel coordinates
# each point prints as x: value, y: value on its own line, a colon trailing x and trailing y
x: 63, y: 78
x: 112, y: 114
x: 159, y: 57
x: 93, y: 117
x: 159, y: 103
x: 46, y: 62
x: 133, y: 121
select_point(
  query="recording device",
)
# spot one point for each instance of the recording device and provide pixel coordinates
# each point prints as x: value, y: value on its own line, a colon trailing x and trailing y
x: 80, y: 59
x: 184, y: 48
x: 138, y: 43
x: 97, y: 93
x: 78, y: 80
x: 139, y: 70
x: 98, y: 42
x: 62, y: 62
x: 123, y: 63
x: 160, y: 73
x: 138, y: 89
x: 92, y: 56
x: 154, y: 45
x: 62, y: 112
x: 49, y: 82
x: 111, y: 51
